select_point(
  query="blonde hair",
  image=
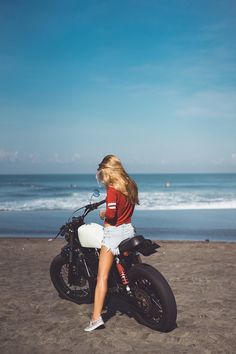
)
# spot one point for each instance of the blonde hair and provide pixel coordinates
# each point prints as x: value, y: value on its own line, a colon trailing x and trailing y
x: 112, y: 173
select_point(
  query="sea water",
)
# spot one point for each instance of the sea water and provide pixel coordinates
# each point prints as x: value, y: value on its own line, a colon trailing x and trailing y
x: 172, y: 206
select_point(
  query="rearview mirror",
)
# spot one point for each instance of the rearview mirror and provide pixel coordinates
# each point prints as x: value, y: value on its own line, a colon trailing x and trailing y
x: 96, y: 193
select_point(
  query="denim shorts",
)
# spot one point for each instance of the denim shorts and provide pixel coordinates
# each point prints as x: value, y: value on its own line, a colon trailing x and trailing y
x: 114, y: 235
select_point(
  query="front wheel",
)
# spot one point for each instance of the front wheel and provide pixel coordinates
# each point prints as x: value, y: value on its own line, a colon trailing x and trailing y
x: 152, y: 298
x: 70, y: 281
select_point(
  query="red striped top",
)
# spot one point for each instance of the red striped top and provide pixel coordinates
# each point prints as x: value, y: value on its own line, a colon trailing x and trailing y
x: 118, y: 209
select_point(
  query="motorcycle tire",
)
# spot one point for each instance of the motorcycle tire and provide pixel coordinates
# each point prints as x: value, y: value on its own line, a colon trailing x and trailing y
x: 152, y: 298
x: 80, y: 292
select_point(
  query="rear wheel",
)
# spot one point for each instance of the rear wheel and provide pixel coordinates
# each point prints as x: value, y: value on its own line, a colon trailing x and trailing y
x: 153, y: 299
x: 70, y: 283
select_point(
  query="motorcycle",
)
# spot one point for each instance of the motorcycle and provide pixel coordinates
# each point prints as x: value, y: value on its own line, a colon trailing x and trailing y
x: 73, y: 272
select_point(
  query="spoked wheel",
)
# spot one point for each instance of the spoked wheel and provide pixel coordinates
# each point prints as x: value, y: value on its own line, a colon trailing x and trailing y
x: 152, y: 298
x: 69, y: 282
x: 147, y: 301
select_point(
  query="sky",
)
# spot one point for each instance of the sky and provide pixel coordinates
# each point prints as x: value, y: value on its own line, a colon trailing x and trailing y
x: 151, y: 81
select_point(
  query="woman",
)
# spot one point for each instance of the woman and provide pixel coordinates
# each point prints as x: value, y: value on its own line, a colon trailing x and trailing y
x: 122, y: 195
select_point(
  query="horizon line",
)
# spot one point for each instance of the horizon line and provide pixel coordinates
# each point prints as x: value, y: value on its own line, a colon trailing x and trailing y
x: 91, y: 173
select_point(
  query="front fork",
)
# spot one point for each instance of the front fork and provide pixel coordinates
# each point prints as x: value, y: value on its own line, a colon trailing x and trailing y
x: 75, y: 259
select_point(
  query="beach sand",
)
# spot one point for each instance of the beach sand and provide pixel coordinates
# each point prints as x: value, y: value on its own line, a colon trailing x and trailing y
x: 35, y: 320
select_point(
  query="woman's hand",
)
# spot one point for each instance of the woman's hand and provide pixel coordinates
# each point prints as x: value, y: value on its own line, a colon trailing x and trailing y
x: 102, y: 214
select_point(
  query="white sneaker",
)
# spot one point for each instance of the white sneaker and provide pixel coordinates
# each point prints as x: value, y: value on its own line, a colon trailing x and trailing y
x: 94, y: 324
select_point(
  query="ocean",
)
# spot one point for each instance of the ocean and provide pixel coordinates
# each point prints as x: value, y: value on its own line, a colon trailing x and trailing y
x: 172, y: 206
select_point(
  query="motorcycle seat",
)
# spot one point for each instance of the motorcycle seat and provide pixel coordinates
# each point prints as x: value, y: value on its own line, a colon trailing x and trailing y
x: 130, y: 243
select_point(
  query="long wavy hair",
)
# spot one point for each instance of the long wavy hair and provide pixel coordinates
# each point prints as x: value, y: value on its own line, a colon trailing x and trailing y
x: 112, y: 173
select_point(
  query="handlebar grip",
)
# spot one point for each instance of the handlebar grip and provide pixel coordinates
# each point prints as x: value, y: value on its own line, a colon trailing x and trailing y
x: 100, y: 203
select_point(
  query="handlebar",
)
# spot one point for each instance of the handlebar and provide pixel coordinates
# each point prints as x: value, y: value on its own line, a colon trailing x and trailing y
x: 96, y: 205
x: 87, y: 208
x: 93, y: 206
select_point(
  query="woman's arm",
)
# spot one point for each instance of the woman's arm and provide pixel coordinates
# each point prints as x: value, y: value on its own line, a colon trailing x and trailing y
x: 111, y: 205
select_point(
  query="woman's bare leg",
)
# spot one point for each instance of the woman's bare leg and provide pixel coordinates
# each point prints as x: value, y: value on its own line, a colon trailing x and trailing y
x: 104, y: 266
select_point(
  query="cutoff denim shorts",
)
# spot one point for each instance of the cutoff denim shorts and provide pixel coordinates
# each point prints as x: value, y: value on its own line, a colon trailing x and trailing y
x: 114, y: 235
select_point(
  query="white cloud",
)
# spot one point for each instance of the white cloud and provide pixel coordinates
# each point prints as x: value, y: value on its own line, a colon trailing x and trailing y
x: 75, y: 157
x: 55, y: 158
x: 218, y: 162
x: 164, y: 162
x: 233, y: 156
x: 15, y: 156
x: 58, y: 159
x: 8, y: 156
x: 209, y: 104
x: 34, y: 157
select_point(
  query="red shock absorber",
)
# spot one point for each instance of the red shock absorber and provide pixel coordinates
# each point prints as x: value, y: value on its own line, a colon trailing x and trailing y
x: 122, y: 273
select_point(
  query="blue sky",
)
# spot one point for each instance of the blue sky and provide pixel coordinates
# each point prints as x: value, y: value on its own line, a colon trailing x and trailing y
x: 151, y: 81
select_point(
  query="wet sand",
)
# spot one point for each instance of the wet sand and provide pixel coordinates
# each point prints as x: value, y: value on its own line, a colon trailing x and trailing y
x: 34, y: 320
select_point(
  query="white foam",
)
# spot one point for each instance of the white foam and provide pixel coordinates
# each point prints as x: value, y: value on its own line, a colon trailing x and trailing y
x: 184, y: 201
x: 65, y: 203
x: 148, y: 201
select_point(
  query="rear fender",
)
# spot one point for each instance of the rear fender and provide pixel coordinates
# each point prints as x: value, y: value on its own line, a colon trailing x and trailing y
x: 148, y: 247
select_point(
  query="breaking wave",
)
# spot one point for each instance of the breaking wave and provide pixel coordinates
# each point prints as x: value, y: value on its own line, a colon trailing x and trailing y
x: 148, y: 201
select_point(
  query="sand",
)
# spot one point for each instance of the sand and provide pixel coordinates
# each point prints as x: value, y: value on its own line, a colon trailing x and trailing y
x: 35, y: 320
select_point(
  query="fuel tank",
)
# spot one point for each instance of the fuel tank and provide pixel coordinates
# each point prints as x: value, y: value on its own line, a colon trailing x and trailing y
x: 90, y: 235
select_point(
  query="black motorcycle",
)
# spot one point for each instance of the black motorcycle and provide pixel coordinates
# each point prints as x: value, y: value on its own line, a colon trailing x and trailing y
x: 74, y: 272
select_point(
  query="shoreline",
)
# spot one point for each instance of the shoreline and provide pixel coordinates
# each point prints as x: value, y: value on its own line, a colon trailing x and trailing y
x: 61, y: 239
x: 35, y: 320
x: 215, y: 225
